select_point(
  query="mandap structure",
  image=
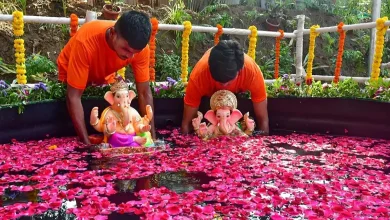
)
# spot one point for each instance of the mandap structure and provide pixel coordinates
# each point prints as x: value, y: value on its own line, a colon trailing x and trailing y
x: 327, y: 156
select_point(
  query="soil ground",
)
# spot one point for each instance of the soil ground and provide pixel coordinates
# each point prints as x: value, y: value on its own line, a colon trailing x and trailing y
x: 49, y: 39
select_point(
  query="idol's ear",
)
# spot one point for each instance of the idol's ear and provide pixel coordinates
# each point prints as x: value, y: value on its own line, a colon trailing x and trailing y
x: 109, y: 97
x: 235, y: 116
x: 210, y: 116
x: 132, y: 95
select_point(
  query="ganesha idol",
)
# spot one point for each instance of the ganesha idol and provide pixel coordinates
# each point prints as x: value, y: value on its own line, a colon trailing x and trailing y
x: 121, y: 124
x: 224, y: 118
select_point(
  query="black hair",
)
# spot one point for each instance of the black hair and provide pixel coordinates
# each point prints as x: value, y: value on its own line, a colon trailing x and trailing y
x: 226, y: 60
x: 135, y: 28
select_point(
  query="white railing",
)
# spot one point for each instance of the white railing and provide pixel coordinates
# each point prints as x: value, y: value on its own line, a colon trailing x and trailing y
x: 297, y: 35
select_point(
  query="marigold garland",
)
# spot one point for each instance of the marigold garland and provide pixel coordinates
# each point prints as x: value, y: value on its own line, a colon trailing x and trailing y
x: 252, y: 42
x: 380, y: 40
x: 277, y: 53
x: 121, y: 72
x: 184, y: 50
x: 74, y: 24
x: 218, y: 34
x: 18, y: 25
x: 313, y: 35
x: 340, y: 52
x: 152, y: 46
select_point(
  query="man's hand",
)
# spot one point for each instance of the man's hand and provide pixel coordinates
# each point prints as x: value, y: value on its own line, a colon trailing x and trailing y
x: 76, y: 112
x: 261, y: 113
x: 189, y: 114
x: 145, y: 98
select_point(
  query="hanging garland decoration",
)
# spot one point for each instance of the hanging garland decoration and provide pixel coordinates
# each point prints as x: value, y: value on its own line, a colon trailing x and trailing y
x: 252, y: 42
x: 74, y: 24
x: 340, y: 52
x: 313, y: 35
x: 121, y: 72
x: 379, y: 44
x: 277, y: 53
x: 218, y: 34
x: 184, y: 50
x: 18, y: 25
x: 152, y: 46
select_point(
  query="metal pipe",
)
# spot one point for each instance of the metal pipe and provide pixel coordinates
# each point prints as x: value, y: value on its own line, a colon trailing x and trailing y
x: 346, y: 27
x: 167, y: 27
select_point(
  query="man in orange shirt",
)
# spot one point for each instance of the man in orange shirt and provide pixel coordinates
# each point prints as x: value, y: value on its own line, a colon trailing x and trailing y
x: 225, y: 66
x: 100, y: 48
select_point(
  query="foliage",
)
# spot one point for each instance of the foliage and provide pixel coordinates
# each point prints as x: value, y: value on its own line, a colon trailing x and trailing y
x: 223, y: 19
x: 377, y: 90
x: 266, y: 66
x: 6, y: 68
x: 168, y: 65
x: 20, y: 96
x: 252, y: 15
x: 281, y: 87
x: 96, y: 91
x: 38, y: 66
x: 175, y: 13
x: 171, y: 89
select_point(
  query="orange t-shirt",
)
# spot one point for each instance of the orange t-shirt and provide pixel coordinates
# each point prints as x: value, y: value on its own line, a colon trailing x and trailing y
x: 250, y: 78
x: 87, y: 58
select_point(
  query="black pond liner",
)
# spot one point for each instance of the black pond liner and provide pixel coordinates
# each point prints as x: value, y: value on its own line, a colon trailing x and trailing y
x: 334, y: 116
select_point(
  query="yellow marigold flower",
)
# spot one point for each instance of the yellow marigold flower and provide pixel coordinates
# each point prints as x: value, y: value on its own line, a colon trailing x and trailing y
x: 52, y: 147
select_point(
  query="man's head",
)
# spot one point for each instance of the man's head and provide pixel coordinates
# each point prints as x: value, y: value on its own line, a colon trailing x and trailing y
x: 131, y: 34
x: 226, y: 60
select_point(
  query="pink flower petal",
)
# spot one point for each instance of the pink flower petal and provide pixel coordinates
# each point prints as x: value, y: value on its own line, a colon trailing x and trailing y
x: 173, y: 209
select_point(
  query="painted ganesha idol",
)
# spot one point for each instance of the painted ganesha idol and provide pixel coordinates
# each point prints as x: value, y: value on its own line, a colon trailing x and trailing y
x: 121, y: 124
x: 224, y: 118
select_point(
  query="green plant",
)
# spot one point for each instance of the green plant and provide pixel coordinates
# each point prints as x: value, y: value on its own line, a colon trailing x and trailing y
x: 283, y: 86
x: 286, y: 59
x: 266, y: 66
x: 212, y: 8
x: 375, y: 89
x: 175, y: 13
x: 223, y: 19
x: 349, y: 89
x: 23, y: 4
x: 64, y: 6
x: 252, y: 15
x: 168, y: 65
x: 96, y: 91
x: 38, y: 66
x: 329, y: 43
x: 354, y: 57
x: 276, y: 11
x: 6, y: 68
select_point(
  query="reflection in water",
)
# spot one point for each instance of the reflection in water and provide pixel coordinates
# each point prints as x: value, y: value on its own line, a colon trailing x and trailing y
x: 12, y: 196
x: 178, y: 182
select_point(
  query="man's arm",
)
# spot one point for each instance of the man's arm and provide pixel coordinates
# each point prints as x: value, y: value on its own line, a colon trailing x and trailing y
x: 188, y: 115
x: 145, y: 98
x: 261, y: 113
x: 76, y: 112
